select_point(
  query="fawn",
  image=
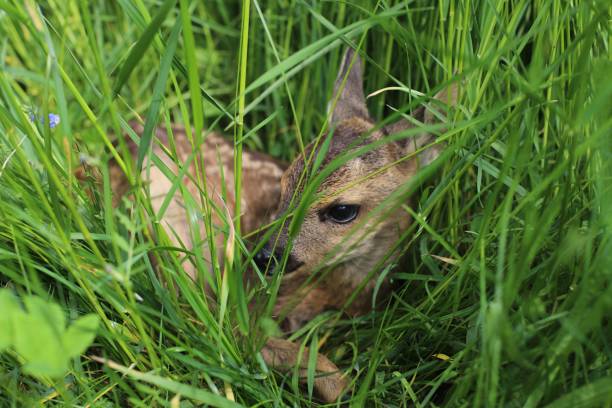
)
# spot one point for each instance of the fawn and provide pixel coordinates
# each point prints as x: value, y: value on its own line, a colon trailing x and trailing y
x: 346, y: 234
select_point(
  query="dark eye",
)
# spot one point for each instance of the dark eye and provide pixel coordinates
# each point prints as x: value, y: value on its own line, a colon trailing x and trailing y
x: 342, y: 213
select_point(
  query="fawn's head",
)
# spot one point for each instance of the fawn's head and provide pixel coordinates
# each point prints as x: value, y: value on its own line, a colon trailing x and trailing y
x: 352, y: 217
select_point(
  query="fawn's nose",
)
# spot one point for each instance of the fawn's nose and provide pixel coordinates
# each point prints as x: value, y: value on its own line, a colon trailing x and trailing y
x: 263, y: 260
x: 267, y: 260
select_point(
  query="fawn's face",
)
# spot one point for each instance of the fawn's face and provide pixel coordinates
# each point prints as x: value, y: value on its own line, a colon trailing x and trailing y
x: 354, y: 215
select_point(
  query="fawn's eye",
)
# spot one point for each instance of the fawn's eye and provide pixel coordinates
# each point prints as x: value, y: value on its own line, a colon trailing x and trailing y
x: 342, y: 213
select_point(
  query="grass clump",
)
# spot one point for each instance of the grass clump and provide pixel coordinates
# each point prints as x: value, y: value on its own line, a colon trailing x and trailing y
x: 505, y: 295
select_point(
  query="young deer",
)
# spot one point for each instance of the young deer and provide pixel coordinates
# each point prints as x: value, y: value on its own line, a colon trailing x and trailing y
x: 346, y: 233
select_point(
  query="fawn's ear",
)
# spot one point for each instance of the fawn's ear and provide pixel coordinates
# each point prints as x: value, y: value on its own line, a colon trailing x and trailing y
x: 437, y: 111
x: 348, y: 100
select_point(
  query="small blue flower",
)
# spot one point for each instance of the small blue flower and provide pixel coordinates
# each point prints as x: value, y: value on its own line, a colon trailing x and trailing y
x: 54, y: 119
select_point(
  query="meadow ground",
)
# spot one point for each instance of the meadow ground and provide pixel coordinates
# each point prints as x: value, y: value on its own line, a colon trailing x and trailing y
x: 504, y: 298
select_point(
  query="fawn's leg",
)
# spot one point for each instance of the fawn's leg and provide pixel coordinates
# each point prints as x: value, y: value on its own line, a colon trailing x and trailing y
x: 282, y: 355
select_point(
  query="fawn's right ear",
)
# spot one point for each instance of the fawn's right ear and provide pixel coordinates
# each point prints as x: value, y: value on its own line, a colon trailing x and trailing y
x: 348, y: 100
x: 437, y: 111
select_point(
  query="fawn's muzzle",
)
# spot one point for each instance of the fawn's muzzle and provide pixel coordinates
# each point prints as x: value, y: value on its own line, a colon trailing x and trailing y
x: 267, y: 260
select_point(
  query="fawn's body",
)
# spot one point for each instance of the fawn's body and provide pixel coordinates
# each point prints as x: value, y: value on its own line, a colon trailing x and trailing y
x: 348, y: 233
x: 214, y: 162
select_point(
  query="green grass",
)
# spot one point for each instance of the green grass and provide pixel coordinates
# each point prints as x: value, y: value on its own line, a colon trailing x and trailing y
x: 508, y: 263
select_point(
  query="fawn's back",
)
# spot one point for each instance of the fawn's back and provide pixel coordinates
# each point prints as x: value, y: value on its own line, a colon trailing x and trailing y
x: 176, y: 179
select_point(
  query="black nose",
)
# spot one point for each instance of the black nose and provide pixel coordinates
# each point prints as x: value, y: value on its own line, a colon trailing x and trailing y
x: 263, y: 260
x: 266, y: 260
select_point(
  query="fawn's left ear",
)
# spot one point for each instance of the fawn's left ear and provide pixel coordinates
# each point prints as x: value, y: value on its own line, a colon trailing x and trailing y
x: 437, y: 111
x: 348, y: 94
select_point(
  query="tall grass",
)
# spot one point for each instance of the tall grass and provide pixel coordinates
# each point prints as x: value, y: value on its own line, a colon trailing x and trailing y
x: 504, y: 298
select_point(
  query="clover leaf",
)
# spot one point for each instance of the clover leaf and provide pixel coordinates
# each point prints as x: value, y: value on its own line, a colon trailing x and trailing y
x: 39, y: 334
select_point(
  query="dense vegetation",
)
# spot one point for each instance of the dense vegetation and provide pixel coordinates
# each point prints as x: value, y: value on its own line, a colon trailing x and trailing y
x: 504, y: 298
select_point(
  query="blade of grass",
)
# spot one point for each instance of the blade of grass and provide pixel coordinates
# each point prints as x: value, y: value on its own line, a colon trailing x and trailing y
x: 157, y: 98
x: 141, y: 46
